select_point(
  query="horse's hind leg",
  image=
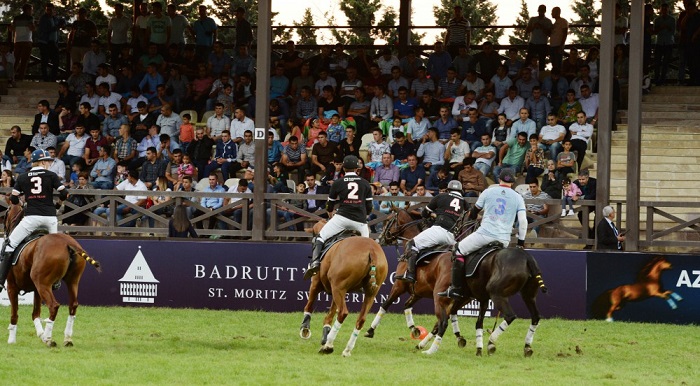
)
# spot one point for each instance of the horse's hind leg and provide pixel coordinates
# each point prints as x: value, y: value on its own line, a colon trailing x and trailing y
x: 46, y: 293
x: 72, y: 308
x: 366, y: 305
x: 12, y: 293
x: 529, y: 294
x: 483, y: 305
x: 36, y: 315
x: 441, y: 305
x: 502, y: 304
x: 342, y: 309
x: 461, y: 342
x: 305, y: 329
x: 428, y: 337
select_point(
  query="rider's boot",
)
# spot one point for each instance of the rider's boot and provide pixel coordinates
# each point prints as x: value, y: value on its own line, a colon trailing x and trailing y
x: 315, y: 263
x: 411, y: 258
x: 4, y: 265
x: 454, y: 291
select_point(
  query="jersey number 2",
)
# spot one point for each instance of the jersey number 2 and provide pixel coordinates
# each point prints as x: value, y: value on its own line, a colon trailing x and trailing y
x: 37, y: 185
x: 353, y: 191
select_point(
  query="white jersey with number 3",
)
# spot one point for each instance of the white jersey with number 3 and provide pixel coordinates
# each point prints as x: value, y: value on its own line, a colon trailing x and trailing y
x: 500, y: 208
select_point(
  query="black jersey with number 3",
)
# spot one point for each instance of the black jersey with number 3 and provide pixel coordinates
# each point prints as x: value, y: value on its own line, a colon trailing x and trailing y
x: 37, y: 185
x: 353, y: 195
x: 448, y: 208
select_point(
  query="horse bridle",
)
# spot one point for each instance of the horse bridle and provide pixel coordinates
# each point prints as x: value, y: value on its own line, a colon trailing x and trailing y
x: 390, y: 238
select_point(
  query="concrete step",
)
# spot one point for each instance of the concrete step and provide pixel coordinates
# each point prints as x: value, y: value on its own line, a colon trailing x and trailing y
x: 655, y: 183
x: 662, y: 91
x: 17, y: 111
x: 670, y: 99
x: 654, y: 176
x: 652, y: 107
x: 654, y: 121
x: 660, y: 136
x: 652, y: 159
x: 24, y: 99
x: 681, y: 194
x: 49, y: 94
x: 649, y: 143
x: 660, y: 169
x: 673, y: 128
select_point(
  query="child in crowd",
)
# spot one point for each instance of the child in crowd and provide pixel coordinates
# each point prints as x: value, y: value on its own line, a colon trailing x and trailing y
x: 335, y: 131
x: 186, y: 168
x: 278, y: 179
x: 122, y: 172
x: 566, y: 160
x: 377, y: 148
x: 186, y: 132
x: 396, y: 127
x: 570, y: 194
x: 534, y: 160
x: 78, y: 167
x: 500, y: 133
x: 314, y: 129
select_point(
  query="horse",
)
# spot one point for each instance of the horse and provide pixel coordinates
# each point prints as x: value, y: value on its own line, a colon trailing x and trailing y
x: 43, y: 263
x: 648, y: 285
x: 351, y: 265
x: 431, y: 278
x: 501, y: 274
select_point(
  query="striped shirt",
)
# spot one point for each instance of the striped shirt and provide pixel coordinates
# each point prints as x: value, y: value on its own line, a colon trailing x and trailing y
x: 458, y: 30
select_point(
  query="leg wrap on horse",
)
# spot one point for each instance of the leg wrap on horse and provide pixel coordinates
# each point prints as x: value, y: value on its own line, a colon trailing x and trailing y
x: 68, y: 332
x: 479, y: 338
x: 408, y: 312
x: 48, y: 331
x: 501, y: 328
x: 530, y: 334
x: 378, y: 317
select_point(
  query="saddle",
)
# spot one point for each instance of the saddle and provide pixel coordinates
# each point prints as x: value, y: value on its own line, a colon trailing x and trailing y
x: 337, y: 238
x: 474, y: 259
x: 32, y: 236
x: 427, y: 254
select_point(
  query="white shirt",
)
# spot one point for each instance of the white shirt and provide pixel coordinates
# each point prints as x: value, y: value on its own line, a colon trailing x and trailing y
x: 177, y: 30
x: 127, y: 186
x: 582, y: 132
x: 458, y: 152
x: 109, y: 79
x: 113, y: 98
x: 590, y: 105
x: 238, y: 127
x: 170, y: 125
x: 550, y: 133
x: 511, y: 108
x: 216, y: 125
x: 119, y: 26
x: 76, y: 146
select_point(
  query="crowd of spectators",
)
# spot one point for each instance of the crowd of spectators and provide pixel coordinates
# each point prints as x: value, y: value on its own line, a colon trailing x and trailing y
x: 160, y: 103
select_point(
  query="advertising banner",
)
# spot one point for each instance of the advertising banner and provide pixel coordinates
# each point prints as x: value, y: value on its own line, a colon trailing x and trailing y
x: 269, y: 277
x: 644, y: 287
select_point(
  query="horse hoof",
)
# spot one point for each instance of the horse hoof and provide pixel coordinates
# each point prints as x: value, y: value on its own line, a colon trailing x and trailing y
x: 68, y: 343
x: 491, y: 349
x: 528, y: 351
x: 415, y: 333
x: 478, y: 352
x: 305, y: 333
x: 346, y: 353
x: 461, y: 342
x: 369, y: 333
x: 326, y: 350
x: 51, y: 343
x: 427, y: 352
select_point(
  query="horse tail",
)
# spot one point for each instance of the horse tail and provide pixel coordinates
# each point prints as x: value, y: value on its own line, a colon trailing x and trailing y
x: 372, y: 271
x: 601, y: 305
x: 77, y: 252
x: 536, y: 273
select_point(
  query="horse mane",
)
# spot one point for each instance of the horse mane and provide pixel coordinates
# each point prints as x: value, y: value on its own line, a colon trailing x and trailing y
x: 641, y: 276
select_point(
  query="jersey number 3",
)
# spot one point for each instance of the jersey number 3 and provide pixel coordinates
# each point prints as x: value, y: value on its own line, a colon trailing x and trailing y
x: 37, y: 185
x: 353, y: 191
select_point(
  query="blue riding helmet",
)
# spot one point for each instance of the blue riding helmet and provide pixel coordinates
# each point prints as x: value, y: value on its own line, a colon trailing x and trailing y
x: 41, y: 155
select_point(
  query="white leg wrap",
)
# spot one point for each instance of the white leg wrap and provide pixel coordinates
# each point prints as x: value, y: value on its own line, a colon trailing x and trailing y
x: 455, y: 324
x: 434, y: 347
x: 333, y: 334
x: 307, y: 313
x: 479, y: 338
x: 378, y: 317
x: 501, y: 328
x: 48, y: 331
x: 425, y: 340
x: 39, y: 328
x: 351, y: 343
x: 68, y: 333
x: 530, y: 334
x: 408, y: 312
x: 12, y: 339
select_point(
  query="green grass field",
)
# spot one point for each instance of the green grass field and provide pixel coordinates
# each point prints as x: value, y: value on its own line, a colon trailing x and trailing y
x: 179, y: 347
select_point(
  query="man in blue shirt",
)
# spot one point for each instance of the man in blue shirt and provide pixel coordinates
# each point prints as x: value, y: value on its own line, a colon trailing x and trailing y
x: 412, y: 176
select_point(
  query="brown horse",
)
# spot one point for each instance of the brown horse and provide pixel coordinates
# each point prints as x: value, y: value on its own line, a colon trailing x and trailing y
x: 45, y: 262
x: 648, y: 285
x: 431, y: 278
x: 351, y: 265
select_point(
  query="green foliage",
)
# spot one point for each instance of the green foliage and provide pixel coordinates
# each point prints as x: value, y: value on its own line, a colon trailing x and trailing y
x: 306, y: 36
x: 142, y: 345
x: 359, y: 13
x: 588, y: 13
x: 519, y: 35
x: 478, y: 12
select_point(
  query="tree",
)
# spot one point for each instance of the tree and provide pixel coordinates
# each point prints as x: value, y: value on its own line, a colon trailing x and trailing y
x: 587, y: 14
x: 478, y: 12
x: 224, y: 10
x: 307, y: 36
x: 519, y: 36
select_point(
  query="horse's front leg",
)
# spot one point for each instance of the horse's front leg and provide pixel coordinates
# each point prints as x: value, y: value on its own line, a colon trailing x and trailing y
x: 441, y: 306
x: 397, y: 289
x: 314, y: 289
x: 36, y: 315
x: 13, y: 293
x: 480, y: 327
x: 670, y: 297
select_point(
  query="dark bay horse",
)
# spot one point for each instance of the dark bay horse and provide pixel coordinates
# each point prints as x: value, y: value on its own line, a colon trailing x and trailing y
x: 502, y: 274
x: 45, y: 262
x: 351, y: 265
x: 431, y: 278
x: 648, y: 285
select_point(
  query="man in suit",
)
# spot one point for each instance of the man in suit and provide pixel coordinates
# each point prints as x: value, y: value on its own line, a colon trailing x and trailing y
x: 313, y: 188
x: 608, y: 236
x: 46, y: 115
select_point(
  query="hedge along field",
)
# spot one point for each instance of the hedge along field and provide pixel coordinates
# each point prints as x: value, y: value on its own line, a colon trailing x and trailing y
x: 118, y: 345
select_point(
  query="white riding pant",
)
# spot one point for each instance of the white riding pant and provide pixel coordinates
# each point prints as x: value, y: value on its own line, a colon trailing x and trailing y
x: 28, y: 225
x: 338, y: 224
x: 435, y: 235
x: 475, y: 241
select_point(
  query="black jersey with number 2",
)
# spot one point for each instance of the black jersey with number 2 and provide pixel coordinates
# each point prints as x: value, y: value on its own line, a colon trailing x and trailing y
x: 37, y: 185
x: 448, y: 208
x: 353, y: 195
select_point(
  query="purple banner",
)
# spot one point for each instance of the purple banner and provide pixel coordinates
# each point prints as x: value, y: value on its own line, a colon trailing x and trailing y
x: 644, y: 287
x: 268, y: 276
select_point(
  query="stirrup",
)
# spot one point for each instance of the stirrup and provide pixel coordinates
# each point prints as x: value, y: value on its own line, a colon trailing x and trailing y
x: 451, y: 292
x: 406, y: 277
x: 311, y: 271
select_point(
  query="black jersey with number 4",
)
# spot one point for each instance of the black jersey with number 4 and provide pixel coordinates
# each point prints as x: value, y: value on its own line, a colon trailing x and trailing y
x: 353, y: 195
x: 448, y: 208
x: 37, y: 185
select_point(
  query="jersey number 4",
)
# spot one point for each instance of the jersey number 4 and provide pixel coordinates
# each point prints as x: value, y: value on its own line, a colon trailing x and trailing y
x: 37, y: 185
x: 456, y: 204
x: 353, y: 191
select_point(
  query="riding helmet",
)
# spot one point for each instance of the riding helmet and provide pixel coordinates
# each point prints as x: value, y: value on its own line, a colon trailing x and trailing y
x: 351, y: 162
x: 507, y: 175
x: 40, y: 155
x: 454, y: 185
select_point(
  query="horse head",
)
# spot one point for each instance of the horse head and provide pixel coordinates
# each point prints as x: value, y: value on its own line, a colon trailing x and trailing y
x: 386, y: 237
x: 652, y: 270
x: 13, y: 216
